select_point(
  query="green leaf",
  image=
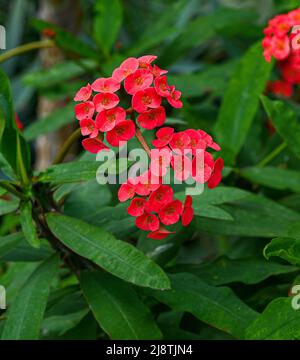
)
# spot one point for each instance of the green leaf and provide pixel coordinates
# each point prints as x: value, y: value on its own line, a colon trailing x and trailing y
x: 254, y: 216
x: 117, y: 308
x: 26, y: 313
x: 9, y: 205
x: 279, y: 321
x: 115, y: 256
x: 107, y: 23
x: 74, y: 171
x: 225, y: 271
x: 212, y: 79
x: 216, y: 306
x: 52, y: 122
x: 9, y: 242
x: 286, y: 248
x: 285, y: 121
x: 276, y: 178
x: 28, y: 225
x: 210, y: 211
x: 241, y: 101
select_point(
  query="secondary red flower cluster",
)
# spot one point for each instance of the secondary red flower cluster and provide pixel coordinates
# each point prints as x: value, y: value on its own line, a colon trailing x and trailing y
x: 282, y: 41
x: 99, y: 113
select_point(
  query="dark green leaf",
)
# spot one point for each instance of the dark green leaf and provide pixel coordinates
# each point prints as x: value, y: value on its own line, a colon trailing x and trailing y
x: 115, y: 256
x: 286, y: 248
x: 117, y: 308
x: 28, y: 225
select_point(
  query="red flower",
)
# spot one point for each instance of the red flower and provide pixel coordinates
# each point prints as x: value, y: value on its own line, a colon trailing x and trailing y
x: 146, y: 60
x: 88, y: 127
x: 147, y: 222
x: 208, y: 140
x: 170, y: 213
x: 180, y: 141
x: 144, y: 99
x: 216, y: 175
x: 106, y: 85
x: 84, y: 93
x: 174, y: 98
x: 84, y: 110
x: 196, y: 142
x: 146, y: 183
x: 137, y: 207
x: 106, y: 120
x: 160, y: 234
x: 139, y: 80
x: 161, y: 86
x: 182, y: 166
x: 156, y: 71
x: 123, y: 131
x: 202, y: 166
x: 164, y: 136
x: 159, y: 198
x: 93, y: 145
x: 280, y: 88
x: 127, y: 67
x: 20, y: 126
x: 188, y: 212
x: 105, y: 101
x: 152, y: 118
x: 126, y: 191
x: 160, y: 161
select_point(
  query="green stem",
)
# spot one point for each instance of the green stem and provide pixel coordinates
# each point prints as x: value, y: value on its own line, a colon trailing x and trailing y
x: 272, y: 155
x: 10, y: 188
x: 66, y: 146
x: 25, y: 48
x: 142, y: 141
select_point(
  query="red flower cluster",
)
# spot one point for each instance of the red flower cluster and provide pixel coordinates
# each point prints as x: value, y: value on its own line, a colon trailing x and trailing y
x: 152, y: 202
x: 99, y: 112
x: 282, y: 41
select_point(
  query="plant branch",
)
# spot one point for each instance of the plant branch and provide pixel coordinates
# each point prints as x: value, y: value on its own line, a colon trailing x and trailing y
x: 272, y: 155
x: 10, y: 188
x: 142, y: 141
x: 26, y: 48
x: 66, y: 146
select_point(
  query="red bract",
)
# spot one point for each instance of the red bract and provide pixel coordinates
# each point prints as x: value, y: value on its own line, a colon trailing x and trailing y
x: 84, y: 93
x: 84, y: 110
x: 144, y: 99
x: 106, y: 85
x: 127, y: 67
x: 152, y: 202
x: 188, y: 211
x: 152, y: 118
x: 160, y: 197
x: 216, y: 175
x: 126, y: 191
x: 123, y: 131
x: 105, y: 101
x: 161, y: 86
x: 139, y: 80
x: 171, y: 213
x: 160, y: 234
x: 88, y: 127
x: 137, y: 207
x: 106, y: 120
x: 147, y: 222
x: 164, y: 136
x: 174, y: 98
x: 94, y: 145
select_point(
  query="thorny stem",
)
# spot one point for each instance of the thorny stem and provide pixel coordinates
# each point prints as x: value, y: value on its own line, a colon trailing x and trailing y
x: 66, y: 146
x: 25, y: 48
x: 272, y: 155
x: 143, y: 142
x: 10, y: 188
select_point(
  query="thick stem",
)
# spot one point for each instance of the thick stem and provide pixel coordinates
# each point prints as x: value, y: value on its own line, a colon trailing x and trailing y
x: 143, y: 142
x: 25, y: 48
x: 10, y: 188
x: 272, y: 155
x: 67, y: 146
